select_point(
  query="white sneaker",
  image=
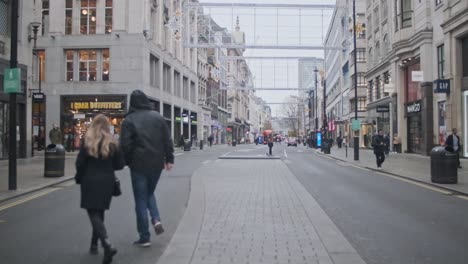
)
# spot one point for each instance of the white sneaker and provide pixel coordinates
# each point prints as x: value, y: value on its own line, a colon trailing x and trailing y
x: 158, y: 228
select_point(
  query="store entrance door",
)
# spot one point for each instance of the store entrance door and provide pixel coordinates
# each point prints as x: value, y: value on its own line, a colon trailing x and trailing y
x: 414, y: 134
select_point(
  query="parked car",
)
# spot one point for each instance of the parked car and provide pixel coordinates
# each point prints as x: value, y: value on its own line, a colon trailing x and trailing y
x: 292, y: 141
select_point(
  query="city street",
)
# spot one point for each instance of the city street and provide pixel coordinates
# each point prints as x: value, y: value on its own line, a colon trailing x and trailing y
x: 386, y: 220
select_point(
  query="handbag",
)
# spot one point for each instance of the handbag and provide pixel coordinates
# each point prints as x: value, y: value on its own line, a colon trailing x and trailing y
x: 117, y: 190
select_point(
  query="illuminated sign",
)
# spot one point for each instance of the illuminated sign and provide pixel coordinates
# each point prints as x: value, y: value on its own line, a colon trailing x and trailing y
x: 95, y: 105
x: 319, y: 139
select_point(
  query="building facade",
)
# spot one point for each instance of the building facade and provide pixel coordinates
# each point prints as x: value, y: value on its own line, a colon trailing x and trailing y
x: 340, y: 72
x: 98, y: 51
x: 309, y: 81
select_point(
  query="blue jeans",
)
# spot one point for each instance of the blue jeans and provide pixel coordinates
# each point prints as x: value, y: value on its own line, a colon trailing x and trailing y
x: 145, y: 201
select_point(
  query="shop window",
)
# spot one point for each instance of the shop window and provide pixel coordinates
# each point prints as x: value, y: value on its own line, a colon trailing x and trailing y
x: 85, y: 65
x: 465, y: 56
x: 186, y: 88
x: 413, y: 89
x: 88, y: 17
x: 378, y: 87
x: 108, y: 16
x: 193, y: 92
x: 69, y: 17
x: 177, y: 85
x: 4, y: 17
x: 41, y: 66
x: 45, y: 17
x: 370, y: 89
x: 440, y: 61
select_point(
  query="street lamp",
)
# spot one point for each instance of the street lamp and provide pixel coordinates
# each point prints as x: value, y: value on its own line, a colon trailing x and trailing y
x: 316, y: 99
x: 356, y: 133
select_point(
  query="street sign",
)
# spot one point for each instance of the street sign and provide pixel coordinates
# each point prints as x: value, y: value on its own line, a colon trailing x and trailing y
x: 356, y: 125
x: 414, y: 107
x: 417, y: 76
x: 442, y: 86
x: 12, y: 80
x: 383, y: 109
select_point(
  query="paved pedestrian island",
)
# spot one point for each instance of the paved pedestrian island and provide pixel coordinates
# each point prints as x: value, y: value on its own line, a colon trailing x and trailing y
x: 254, y: 211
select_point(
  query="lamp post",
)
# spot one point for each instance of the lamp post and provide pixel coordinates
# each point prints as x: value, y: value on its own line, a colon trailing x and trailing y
x: 316, y: 99
x: 12, y: 172
x: 356, y: 133
x: 38, y: 140
x: 325, y: 125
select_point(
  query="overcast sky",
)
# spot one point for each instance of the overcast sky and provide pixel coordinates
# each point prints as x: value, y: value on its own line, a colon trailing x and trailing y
x: 263, y: 29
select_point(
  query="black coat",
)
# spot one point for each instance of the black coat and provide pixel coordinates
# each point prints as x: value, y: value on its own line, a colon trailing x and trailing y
x: 97, y: 177
x: 145, y: 139
x: 379, y: 144
x: 449, y: 143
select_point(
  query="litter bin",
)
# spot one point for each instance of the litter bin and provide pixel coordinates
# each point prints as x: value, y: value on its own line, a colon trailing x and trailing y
x: 234, y: 143
x: 54, y: 161
x: 187, y: 145
x: 201, y: 144
x: 325, y: 147
x: 444, y: 166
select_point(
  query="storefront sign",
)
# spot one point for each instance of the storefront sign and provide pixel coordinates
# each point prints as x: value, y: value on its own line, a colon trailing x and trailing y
x: 95, y: 105
x: 79, y: 116
x: 356, y: 125
x: 417, y: 76
x: 178, y: 119
x: 12, y: 80
x: 38, y: 97
x: 414, y: 107
x: 383, y: 109
x: 194, y: 122
x: 442, y: 86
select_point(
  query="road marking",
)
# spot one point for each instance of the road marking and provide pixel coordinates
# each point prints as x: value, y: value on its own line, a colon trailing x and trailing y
x: 29, y: 198
x: 285, y: 154
x: 66, y: 184
x: 462, y: 197
x: 420, y: 184
x: 206, y: 161
x: 178, y: 154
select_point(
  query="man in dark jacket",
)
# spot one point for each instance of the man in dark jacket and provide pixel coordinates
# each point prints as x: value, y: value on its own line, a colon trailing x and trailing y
x: 453, y: 145
x: 148, y: 149
x: 379, y: 146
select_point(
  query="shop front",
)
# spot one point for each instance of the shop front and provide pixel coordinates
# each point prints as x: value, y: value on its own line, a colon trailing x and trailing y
x: 38, y: 121
x: 194, y: 125
x: 79, y: 110
x: 413, y: 111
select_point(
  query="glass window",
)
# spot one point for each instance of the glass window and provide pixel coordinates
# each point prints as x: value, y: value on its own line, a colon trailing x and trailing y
x: 105, y: 64
x: 45, y: 16
x: 88, y: 65
x: 4, y: 18
x: 68, y: 17
x: 108, y: 16
x: 440, y: 61
x: 384, y: 7
x: 41, y: 68
x: 88, y: 17
x: 378, y: 86
x: 69, y: 62
x: 406, y: 13
x: 438, y: 2
x: 370, y: 89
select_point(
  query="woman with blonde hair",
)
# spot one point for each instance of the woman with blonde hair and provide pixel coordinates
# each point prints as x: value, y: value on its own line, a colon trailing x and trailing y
x: 99, y: 157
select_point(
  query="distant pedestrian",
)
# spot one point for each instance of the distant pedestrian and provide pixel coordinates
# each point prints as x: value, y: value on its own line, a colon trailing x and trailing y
x: 270, y: 147
x: 339, y: 141
x: 210, y: 140
x: 378, y: 143
x: 97, y: 160
x: 148, y: 149
x: 181, y: 141
x: 452, y: 144
x: 396, y: 143
x: 55, y: 135
x: 387, y: 144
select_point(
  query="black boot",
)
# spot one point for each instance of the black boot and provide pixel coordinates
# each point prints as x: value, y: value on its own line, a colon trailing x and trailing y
x: 109, y: 252
x: 93, y: 250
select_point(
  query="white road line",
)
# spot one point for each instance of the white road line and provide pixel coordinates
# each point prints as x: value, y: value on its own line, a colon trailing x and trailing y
x: 29, y: 198
x: 206, y: 161
x: 178, y: 154
x: 462, y: 197
x: 420, y: 184
x: 285, y: 154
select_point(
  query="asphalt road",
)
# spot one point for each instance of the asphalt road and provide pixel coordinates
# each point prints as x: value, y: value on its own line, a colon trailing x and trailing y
x: 387, y: 220
x: 53, y: 229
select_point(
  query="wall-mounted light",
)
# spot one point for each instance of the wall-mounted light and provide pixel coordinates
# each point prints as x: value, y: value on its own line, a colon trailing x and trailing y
x: 35, y: 29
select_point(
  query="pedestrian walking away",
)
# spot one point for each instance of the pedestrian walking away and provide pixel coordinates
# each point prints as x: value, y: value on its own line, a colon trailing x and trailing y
x: 452, y: 144
x: 55, y: 135
x: 379, y: 146
x: 387, y: 144
x: 270, y: 147
x: 396, y: 143
x: 97, y: 160
x: 148, y: 149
